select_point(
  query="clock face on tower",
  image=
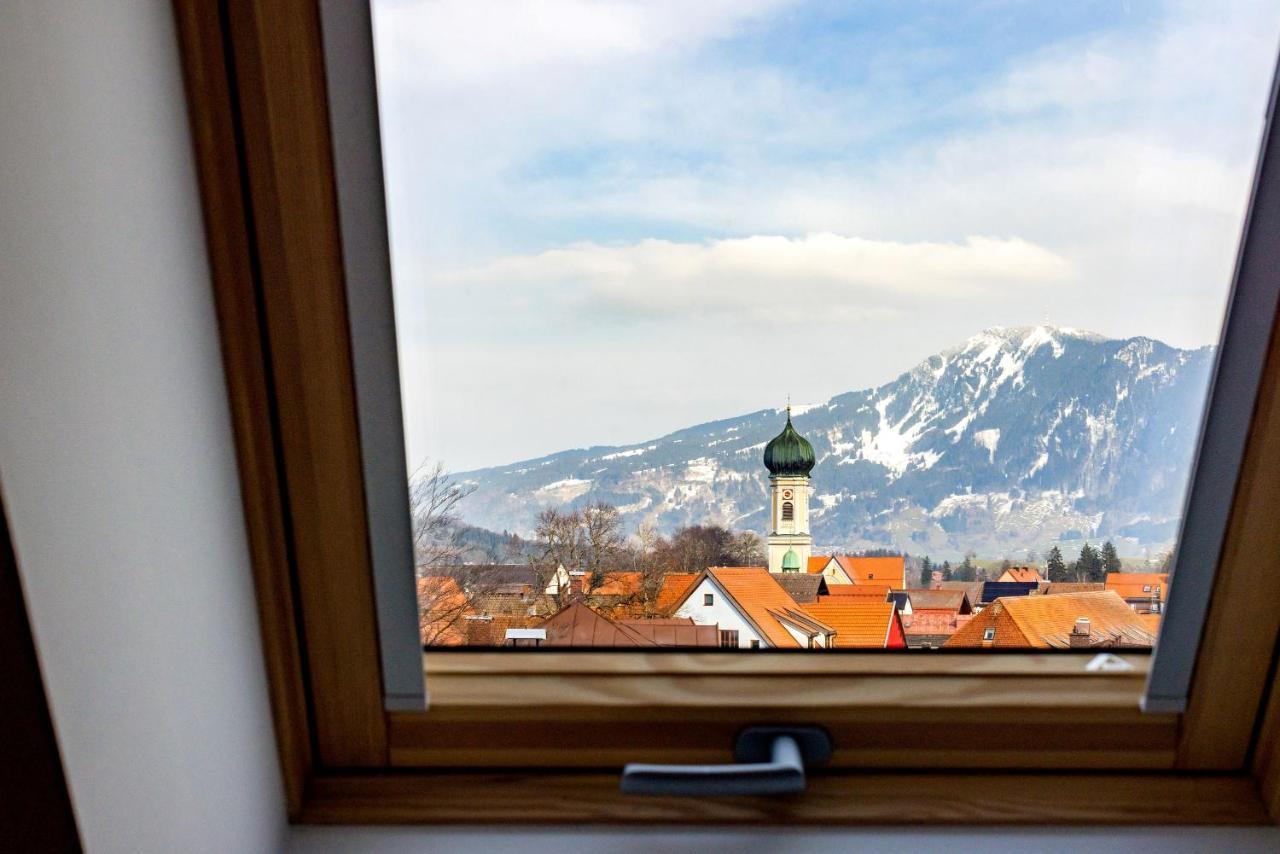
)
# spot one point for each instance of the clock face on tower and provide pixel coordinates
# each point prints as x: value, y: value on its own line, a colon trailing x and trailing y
x: 786, y: 493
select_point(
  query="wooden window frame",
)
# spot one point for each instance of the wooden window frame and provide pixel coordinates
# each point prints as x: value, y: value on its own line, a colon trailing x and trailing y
x: 535, y: 737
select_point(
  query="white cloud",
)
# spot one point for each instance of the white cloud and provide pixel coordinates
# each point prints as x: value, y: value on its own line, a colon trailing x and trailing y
x: 816, y: 279
x: 1109, y: 173
x: 447, y: 43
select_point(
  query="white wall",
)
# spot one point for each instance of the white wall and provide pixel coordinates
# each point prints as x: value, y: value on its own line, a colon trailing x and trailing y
x: 115, y: 446
x: 720, y: 612
x: 117, y: 465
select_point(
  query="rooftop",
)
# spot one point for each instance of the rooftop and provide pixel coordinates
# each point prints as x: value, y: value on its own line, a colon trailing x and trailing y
x: 1046, y: 622
x: 857, y: 624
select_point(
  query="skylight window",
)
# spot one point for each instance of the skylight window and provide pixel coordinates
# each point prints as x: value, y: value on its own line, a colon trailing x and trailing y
x: 991, y: 271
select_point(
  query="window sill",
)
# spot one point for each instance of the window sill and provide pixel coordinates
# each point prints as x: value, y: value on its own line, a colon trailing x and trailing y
x: 601, y: 710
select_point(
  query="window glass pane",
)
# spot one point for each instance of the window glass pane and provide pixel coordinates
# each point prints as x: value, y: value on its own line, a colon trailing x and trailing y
x: 791, y: 325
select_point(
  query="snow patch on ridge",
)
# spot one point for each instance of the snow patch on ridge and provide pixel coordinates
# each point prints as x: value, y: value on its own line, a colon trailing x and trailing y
x: 989, y: 439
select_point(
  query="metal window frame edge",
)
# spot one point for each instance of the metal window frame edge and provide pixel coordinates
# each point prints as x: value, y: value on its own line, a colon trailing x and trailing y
x: 1224, y: 430
x: 350, y: 74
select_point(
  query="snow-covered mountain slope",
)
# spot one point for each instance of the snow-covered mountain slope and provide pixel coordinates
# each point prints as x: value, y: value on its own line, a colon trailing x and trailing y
x: 1016, y: 439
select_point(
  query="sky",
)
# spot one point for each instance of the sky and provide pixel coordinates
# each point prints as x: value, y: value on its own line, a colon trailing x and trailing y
x: 611, y: 220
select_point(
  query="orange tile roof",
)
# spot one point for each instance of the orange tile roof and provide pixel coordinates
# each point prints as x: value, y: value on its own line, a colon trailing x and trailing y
x: 1129, y: 584
x: 485, y: 630
x: 1021, y: 573
x: 881, y: 570
x: 1044, y: 622
x: 615, y: 584
x: 756, y: 594
x: 441, y: 608
x: 866, y: 570
x: 674, y: 587
x: 857, y: 624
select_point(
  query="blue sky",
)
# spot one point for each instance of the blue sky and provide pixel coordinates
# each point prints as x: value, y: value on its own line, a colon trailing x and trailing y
x: 614, y: 219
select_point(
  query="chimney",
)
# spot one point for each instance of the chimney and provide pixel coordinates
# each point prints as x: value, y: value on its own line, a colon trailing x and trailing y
x: 1080, y: 633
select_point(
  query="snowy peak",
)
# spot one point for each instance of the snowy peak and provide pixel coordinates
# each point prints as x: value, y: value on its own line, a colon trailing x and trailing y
x: 1019, y: 437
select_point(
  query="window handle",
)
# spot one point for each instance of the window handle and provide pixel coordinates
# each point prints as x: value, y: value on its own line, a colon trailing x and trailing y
x: 770, y: 761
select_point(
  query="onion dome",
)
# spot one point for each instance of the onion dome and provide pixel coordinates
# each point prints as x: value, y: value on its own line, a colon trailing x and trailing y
x: 789, y: 454
x: 791, y: 561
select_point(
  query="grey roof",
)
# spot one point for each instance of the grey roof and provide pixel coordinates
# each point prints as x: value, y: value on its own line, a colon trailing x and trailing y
x: 801, y: 586
x: 491, y: 576
x: 943, y: 600
x: 972, y: 588
x: 1060, y: 587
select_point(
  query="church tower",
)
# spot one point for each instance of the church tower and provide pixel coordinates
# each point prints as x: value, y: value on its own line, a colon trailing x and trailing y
x: 789, y: 459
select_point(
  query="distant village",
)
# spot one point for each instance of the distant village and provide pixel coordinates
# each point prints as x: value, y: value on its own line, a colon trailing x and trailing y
x: 587, y: 589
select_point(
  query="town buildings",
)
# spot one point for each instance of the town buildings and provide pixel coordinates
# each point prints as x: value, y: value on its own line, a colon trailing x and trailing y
x: 795, y: 600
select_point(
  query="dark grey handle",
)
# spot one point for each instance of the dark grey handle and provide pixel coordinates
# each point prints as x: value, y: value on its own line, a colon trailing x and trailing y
x: 782, y: 775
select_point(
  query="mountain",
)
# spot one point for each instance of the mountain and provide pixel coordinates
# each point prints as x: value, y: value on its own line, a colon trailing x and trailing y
x: 1015, y: 440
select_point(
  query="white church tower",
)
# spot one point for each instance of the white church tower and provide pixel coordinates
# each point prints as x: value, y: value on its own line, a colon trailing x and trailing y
x: 789, y: 459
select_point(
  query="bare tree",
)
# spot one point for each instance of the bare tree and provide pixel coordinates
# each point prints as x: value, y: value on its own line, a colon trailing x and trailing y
x: 646, y: 559
x: 602, y: 542
x: 442, y: 607
x: 433, y: 503
x: 747, y: 549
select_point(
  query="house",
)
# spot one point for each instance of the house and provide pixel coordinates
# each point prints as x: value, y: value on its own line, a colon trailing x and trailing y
x: 510, y: 579
x: 850, y: 569
x: 749, y: 601
x: 1022, y: 573
x: 1066, y: 621
x: 579, y: 625
x: 951, y: 601
x: 803, y: 588
x: 934, y: 616
x: 860, y: 625
x: 492, y: 629
x: 1146, y: 592
x: 932, y: 629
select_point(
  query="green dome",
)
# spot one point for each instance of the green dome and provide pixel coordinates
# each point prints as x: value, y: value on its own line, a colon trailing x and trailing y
x: 789, y: 454
x: 791, y: 561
